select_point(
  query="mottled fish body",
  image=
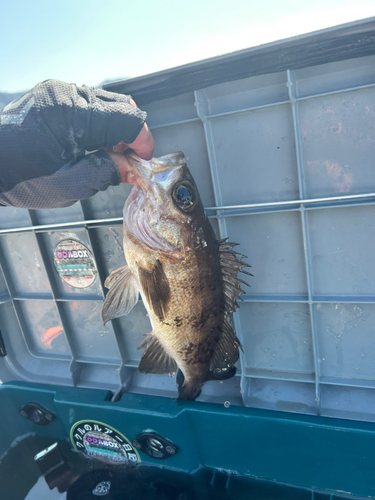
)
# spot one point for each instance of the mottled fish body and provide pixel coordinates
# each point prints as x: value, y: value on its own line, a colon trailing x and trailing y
x: 187, y: 279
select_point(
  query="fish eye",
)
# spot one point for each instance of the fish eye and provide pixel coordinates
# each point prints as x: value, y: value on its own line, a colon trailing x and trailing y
x: 185, y: 196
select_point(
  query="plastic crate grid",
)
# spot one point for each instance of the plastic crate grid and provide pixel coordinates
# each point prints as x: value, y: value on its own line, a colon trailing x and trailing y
x: 261, y: 149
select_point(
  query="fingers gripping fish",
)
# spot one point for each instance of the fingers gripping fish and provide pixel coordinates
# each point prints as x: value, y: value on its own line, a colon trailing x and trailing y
x: 188, y: 279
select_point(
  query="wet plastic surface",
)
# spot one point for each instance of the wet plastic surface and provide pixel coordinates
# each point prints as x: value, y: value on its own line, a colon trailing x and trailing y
x: 308, y: 319
x: 222, y: 453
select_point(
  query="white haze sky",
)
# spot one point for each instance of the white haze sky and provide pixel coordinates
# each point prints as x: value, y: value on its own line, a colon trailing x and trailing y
x: 89, y: 41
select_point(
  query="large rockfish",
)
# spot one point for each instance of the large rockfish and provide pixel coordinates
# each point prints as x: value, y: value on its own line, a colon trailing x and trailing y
x: 187, y: 279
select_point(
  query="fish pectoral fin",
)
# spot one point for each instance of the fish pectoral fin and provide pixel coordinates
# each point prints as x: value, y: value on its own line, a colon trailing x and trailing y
x: 156, y: 288
x: 226, y: 354
x: 114, y: 276
x: 122, y: 295
x: 155, y: 359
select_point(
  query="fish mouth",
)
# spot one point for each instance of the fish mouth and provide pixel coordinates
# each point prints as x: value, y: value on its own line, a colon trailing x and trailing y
x: 145, y: 170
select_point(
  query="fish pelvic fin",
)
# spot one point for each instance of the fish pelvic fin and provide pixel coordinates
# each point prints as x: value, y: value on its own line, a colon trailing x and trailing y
x: 231, y: 264
x: 155, y: 359
x: 122, y: 295
x: 156, y: 288
x: 226, y: 354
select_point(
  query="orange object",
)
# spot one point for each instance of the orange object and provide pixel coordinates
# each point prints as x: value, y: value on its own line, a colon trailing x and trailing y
x: 51, y: 334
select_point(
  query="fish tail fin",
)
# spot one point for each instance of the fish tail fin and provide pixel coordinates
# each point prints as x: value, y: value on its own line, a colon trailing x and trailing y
x: 187, y: 389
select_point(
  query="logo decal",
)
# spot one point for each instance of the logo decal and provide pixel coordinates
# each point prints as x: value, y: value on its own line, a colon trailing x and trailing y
x: 97, y: 440
x: 75, y: 264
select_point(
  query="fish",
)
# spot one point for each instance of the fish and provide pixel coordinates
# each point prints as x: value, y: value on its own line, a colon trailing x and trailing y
x: 188, y: 280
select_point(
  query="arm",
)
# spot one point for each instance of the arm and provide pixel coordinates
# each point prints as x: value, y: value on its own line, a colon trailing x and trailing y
x: 45, y: 136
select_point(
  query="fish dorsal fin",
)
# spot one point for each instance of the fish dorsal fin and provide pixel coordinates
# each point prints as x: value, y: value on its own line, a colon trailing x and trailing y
x: 122, y: 295
x: 155, y: 286
x: 155, y: 359
x: 231, y: 264
x: 226, y: 354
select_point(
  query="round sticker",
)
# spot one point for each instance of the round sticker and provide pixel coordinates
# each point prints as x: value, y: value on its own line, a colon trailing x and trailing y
x: 75, y: 264
x: 97, y: 440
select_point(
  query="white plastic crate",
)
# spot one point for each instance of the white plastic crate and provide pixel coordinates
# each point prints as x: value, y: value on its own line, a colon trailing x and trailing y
x: 285, y: 166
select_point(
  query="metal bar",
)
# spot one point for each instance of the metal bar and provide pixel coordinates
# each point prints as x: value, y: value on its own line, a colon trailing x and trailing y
x: 305, y: 234
x: 293, y: 202
x: 59, y: 225
x: 249, y: 211
x: 317, y: 299
x: 100, y: 224
x: 119, y: 220
x: 247, y: 298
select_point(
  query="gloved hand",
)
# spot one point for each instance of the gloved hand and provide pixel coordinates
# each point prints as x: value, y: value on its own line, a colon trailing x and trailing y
x: 45, y: 136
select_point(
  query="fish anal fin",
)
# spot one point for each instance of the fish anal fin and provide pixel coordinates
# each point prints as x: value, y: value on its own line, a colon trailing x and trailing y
x: 226, y: 354
x: 122, y: 295
x: 156, y: 288
x: 155, y: 359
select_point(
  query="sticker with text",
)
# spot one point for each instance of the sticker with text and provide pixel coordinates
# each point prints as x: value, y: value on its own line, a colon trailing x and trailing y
x: 100, y: 441
x: 75, y: 264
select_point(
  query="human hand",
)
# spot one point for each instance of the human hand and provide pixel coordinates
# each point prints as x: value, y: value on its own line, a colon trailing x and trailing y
x: 143, y: 146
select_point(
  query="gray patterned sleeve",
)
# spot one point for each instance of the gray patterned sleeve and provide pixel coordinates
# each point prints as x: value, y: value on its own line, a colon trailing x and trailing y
x: 45, y: 134
x: 72, y: 182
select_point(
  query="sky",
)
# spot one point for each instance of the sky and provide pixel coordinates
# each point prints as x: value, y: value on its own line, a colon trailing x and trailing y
x: 91, y: 41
